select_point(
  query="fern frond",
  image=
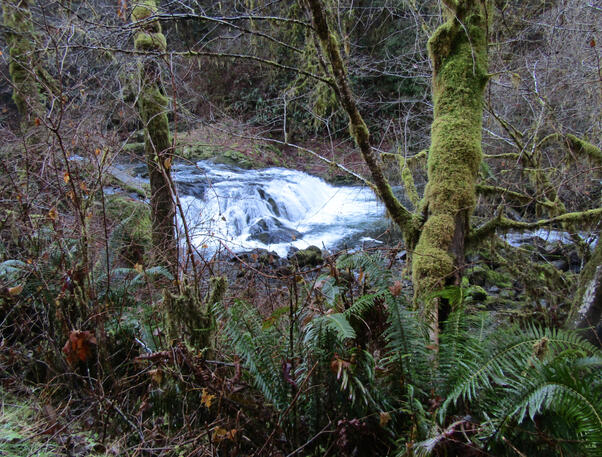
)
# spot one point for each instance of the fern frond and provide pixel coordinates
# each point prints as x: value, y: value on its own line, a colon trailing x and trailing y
x: 373, y: 266
x: 337, y: 323
x: 364, y: 303
x: 561, y: 388
x: 262, y: 349
x: 507, y: 356
x: 407, y: 340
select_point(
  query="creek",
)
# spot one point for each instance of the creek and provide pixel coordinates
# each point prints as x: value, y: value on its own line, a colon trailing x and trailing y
x: 278, y: 209
x: 273, y: 209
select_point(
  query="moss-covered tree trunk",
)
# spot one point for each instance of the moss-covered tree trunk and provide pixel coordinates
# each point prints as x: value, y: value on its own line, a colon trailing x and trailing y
x: 587, y: 309
x: 23, y: 63
x: 458, y: 50
x: 153, y: 105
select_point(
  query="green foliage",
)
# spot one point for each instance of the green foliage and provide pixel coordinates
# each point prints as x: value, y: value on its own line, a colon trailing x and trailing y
x: 130, y: 239
x: 262, y: 349
x: 512, y: 379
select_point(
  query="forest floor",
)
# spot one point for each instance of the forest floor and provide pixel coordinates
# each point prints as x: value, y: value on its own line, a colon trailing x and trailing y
x: 262, y: 150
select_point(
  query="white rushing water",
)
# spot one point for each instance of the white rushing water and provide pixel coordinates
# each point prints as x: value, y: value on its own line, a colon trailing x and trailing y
x: 273, y: 209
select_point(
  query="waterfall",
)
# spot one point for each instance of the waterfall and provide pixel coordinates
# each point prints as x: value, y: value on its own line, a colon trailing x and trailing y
x: 273, y: 208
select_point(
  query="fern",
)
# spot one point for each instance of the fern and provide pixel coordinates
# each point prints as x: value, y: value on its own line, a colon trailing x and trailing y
x: 373, y: 267
x: 407, y: 354
x: 262, y: 349
x: 561, y: 387
x: 365, y: 303
x: 338, y: 323
x: 508, y: 356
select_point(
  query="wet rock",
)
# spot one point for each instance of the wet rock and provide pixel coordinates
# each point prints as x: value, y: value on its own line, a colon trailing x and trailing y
x: 270, y: 230
x: 195, y: 189
x: 310, y: 257
x: 493, y: 290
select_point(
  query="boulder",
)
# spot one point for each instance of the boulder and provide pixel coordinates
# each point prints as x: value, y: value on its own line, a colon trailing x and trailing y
x: 310, y: 257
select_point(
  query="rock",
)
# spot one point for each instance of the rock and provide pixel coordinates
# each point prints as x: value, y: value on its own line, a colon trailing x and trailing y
x: 561, y: 264
x: 270, y: 230
x: 586, y: 314
x: 203, y: 151
x: 310, y: 257
x: 195, y: 189
x: 260, y: 257
x: 507, y: 294
x: 478, y: 294
x: 134, y: 148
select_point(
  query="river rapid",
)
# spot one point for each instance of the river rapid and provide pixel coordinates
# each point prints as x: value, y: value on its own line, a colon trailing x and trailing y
x: 273, y: 209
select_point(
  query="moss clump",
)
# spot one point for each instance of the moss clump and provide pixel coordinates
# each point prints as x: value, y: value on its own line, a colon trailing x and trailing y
x: 150, y: 42
x: 143, y: 10
x: 131, y: 237
x: 432, y: 262
x: 584, y: 147
x: 203, y: 151
x: 408, y: 183
x: 310, y: 257
x: 23, y: 62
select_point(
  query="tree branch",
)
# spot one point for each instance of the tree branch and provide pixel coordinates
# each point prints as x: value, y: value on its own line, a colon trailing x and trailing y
x: 501, y: 223
x: 359, y: 131
x: 576, y: 144
x: 484, y: 189
x: 207, y: 54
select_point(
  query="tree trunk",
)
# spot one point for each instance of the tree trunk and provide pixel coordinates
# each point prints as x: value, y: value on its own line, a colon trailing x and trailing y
x: 153, y: 105
x: 458, y: 51
x: 587, y: 309
x: 23, y: 60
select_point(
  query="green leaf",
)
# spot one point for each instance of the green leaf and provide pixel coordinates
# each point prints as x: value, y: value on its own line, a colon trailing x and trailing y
x: 339, y: 323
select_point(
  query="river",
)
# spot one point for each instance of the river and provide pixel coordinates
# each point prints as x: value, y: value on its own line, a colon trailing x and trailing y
x: 273, y: 209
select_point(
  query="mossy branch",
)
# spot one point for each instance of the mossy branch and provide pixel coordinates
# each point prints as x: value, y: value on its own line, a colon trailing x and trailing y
x: 576, y: 144
x: 515, y: 134
x: 487, y: 190
x: 501, y: 223
x: 405, y: 170
x: 358, y: 129
x: 222, y: 21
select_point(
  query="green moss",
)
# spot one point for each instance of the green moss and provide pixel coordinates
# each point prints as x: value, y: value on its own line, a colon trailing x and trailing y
x: 312, y: 256
x: 153, y: 105
x: 585, y: 147
x: 150, y: 42
x: 143, y: 9
x: 131, y: 238
x: 460, y: 75
x: 190, y: 318
x: 134, y: 148
x: 218, y: 154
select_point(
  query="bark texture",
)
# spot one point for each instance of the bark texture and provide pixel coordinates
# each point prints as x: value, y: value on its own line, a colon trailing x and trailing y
x: 153, y: 106
x: 23, y: 59
x: 587, y: 309
x: 458, y: 50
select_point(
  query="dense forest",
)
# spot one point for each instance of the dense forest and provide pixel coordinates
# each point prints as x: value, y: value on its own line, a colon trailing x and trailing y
x: 300, y: 228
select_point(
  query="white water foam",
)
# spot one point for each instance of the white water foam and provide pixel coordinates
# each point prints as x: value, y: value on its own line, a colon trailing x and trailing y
x: 273, y: 209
